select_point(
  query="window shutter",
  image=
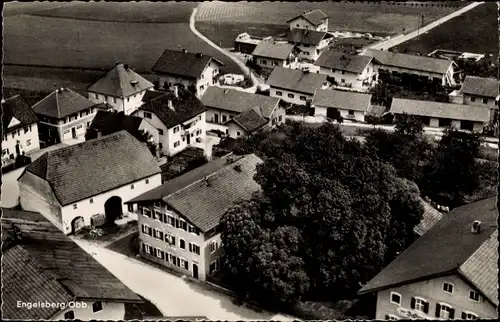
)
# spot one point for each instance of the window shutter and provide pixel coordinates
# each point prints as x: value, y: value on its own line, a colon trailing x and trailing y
x: 144, y: 250
x: 464, y: 315
x: 149, y: 231
x: 413, y: 302
x: 438, y: 310
x: 162, y: 255
x: 178, y: 261
x: 161, y: 235
x: 176, y: 223
x: 190, y: 247
x: 387, y: 317
x: 452, y: 314
x: 426, y: 307
x: 173, y: 240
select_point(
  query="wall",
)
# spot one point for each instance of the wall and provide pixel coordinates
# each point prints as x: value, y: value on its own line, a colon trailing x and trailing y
x: 278, y: 111
x: 200, y: 124
x: 358, y: 115
x: 234, y: 129
x: 146, y: 126
x: 87, y: 210
x: 244, y: 48
x: 356, y: 80
x: 211, y: 112
x: 207, y: 77
x: 173, y: 80
x: 301, y: 23
x: 269, y: 63
x: 313, y: 52
x: 431, y: 291
x: 415, y: 72
x: 9, y: 143
x: 110, y: 311
x: 273, y: 92
x: 210, y: 257
x: 491, y: 103
x: 128, y: 105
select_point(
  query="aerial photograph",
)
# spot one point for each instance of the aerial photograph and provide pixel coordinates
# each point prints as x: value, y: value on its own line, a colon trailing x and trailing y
x: 250, y: 160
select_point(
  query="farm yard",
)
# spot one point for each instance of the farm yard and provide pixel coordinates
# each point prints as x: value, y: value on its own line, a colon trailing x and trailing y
x: 474, y: 31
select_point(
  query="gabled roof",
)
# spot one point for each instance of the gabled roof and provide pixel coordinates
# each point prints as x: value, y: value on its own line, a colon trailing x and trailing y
x: 481, y: 86
x: 422, y: 63
x: 45, y: 264
x: 440, y: 110
x: 16, y: 107
x: 249, y: 120
x: 116, y: 160
x: 185, y: 106
x: 271, y: 49
x: 307, y: 37
x: 449, y: 247
x: 296, y: 80
x: 315, y: 17
x: 182, y: 63
x: 61, y: 103
x: 203, y: 194
x: 335, y: 59
x: 342, y: 100
x: 111, y: 122
x: 238, y: 101
x: 121, y: 81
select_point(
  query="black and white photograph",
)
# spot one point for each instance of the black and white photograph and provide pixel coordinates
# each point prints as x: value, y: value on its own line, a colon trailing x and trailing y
x: 250, y: 160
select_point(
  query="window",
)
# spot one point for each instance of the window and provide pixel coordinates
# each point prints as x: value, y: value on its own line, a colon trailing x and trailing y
x: 214, y: 266
x: 472, y: 99
x: 448, y: 287
x: 160, y: 253
x: 170, y: 239
x: 469, y: 316
x: 224, y: 118
x: 172, y: 259
x: 391, y: 317
x: 342, y: 80
x: 88, y: 125
x: 70, y: 315
x: 193, y: 230
x: 213, y: 247
x: 193, y: 248
x: 128, y: 99
x: 291, y: 96
x: 146, y: 212
x: 419, y: 304
x: 79, y: 126
x: 182, y: 225
x: 25, y: 129
x: 148, y: 115
x: 297, y: 25
x: 158, y: 215
x: 158, y: 234
x: 145, y: 229
x: 13, y: 134
x: 444, y: 122
x: 75, y: 206
x: 147, y: 181
x: 171, y: 220
x: 395, y: 298
x: 238, y: 133
x: 91, y: 200
x: 114, y: 99
x: 280, y: 118
x: 444, y: 311
x: 160, y: 146
x: 97, y: 306
x: 96, y: 95
x: 485, y: 101
x: 147, y: 248
x: 466, y: 125
x: 183, y: 263
x: 182, y: 243
x: 342, y: 72
x: 278, y: 93
x: 202, y: 87
x: 351, y: 113
x: 176, y: 144
x: 264, y: 62
x: 303, y: 98
x: 473, y: 296
x: 28, y: 142
x: 160, y: 131
x: 275, y: 64
x: 176, y: 129
x: 130, y: 208
x: 132, y: 187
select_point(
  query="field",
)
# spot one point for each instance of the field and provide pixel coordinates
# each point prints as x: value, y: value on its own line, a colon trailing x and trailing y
x: 474, y: 31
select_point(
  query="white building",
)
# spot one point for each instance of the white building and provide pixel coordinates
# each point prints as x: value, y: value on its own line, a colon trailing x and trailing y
x: 270, y: 54
x: 352, y: 71
x: 179, y: 117
x: 193, y: 71
x: 64, y: 116
x: 350, y: 105
x: 310, y: 20
x: 121, y: 88
x: 480, y: 91
x: 82, y: 184
x: 35, y: 272
x: 295, y: 86
x: 310, y: 43
x: 19, y: 129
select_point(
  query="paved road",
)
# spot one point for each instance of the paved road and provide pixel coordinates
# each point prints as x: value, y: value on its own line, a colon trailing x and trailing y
x: 402, y: 38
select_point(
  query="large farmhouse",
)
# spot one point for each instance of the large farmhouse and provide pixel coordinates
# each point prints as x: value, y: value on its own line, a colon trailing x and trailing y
x: 310, y: 43
x: 480, y: 91
x: 351, y: 105
x: 310, y: 20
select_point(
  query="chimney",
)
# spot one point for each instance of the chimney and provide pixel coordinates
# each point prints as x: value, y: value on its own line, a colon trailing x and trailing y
x: 176, y: 91
x: 184, y: 51
x: 199, y: 55
x: 171, y: 105
x: 476, y: 227
x: 237, y: 168
x: 207, y: 182
x: 62, y: 89
x: 125, y: 66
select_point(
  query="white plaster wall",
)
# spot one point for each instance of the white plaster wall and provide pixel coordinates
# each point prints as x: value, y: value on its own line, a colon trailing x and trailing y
x: 177, y: 137
x: 9, y: 143
x: 358, y: 115
x: 207, y: 77
x: 81, y: 125
x: 273, y: 92
x: 128, y: 105
x: 110, y: 311
x: 234, y: 129
x: 415, y: 72
x: 301, y: 23
x: 147, y: 126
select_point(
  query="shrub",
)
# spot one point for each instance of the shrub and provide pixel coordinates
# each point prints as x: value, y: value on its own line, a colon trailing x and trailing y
x: 315, y: 311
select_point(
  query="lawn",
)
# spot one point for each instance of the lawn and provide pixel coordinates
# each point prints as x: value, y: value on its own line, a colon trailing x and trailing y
x: 474, y: 31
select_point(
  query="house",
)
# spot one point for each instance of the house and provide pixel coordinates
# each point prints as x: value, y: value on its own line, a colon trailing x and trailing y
x: 46, y: 276
x: 179, y: 222
x: 271, y: 54
x: 295, y: 86
x: 481, y: 91
x: 450, y: 272
x: 121, y: 87
x: 311, y: 20
x: 179, y: 117
x: 245, y: 123
x: 19, y: 129
x: 64, y: 116
x: 442, y: 115
x: 245, y: 43
x: 436, y: 69
x: 310, y: 43
x: 83, y: 184
x: 356, y: 71
x: 350, y: 105
x: 193, y: 71
x: 224, y: 104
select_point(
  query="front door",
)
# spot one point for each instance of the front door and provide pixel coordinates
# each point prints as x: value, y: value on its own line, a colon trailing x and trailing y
x: 188, y: 138
x: 73, y: 132
x: 216, y: 118
x: 18, y: 150
x: 195, y: 270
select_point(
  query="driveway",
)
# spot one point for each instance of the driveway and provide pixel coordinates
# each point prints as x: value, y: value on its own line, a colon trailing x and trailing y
x: 174, y: 296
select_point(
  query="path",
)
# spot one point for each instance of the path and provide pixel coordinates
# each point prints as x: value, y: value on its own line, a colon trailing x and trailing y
x: 385, y: 45
x: 255, y: 79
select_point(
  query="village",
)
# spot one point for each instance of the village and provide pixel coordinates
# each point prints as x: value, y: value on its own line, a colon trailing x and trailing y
x: 205, y: 195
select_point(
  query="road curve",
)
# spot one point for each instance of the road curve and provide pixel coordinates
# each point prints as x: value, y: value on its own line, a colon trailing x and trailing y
x: 384, y: 45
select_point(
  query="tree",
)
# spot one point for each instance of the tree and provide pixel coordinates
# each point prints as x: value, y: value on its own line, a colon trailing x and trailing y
x: 146, y: 137
x: 409, y: 125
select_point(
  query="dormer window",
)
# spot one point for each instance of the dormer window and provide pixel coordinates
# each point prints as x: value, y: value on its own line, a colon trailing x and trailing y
x: 448, y: 287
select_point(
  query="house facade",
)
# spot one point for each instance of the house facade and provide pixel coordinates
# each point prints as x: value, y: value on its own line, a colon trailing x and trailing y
x: 245, y: 43
x: 270, y: 54
x: 310, y: 43
x: 480, y: 91
x: 179, y: 221
x: 351, y: 105
x: 245, y: 123
x: 179, y: 117
x: 62, y: 184
x: 310, y: 20
x: 192, y: 71
x: 64, y: 116
x: 19, y: 129
x: 121, y: 88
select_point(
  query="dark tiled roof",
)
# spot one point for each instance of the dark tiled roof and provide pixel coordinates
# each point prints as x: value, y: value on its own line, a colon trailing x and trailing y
x: 480, y: 86
x: 249, y: 120
x: 430, y: 217
x: 271, y: 49
x: 186, y: 106
x: 149, y: 95
x: 335, y: 59
x: 116, y: 159
x: 422, y: 63
x: 296, y: 80
x: 315, y: 17
x: 61, y: 103
x: 342, y: 100
x: 16, y: 107
x: 181, y: 63
x: 440, y: 110
x: 10, y: 213
x: 443, y: 249
x: 238, y: 101
x: 304, y: 36
x: 120, y: 82
x: 111, y: 122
